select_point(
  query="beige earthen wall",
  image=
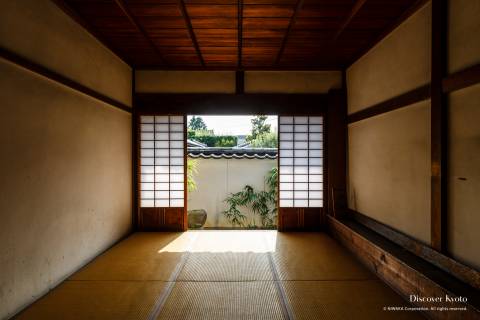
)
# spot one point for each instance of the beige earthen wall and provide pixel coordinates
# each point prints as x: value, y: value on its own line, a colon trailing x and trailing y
x: 464, y: 135
x: 389, y: 155
x: 65, y: 166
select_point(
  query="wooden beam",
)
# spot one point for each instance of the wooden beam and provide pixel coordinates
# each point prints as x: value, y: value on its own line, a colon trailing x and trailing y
x: 61, y: 79
x: 68, y: 10
x: 244, y: 68
x: 456, y: 81
x: 439, y: 137
x: 188, y: 23
x: 403, y: 100
x: 356, y: 7
x: 405, y: 272
x: 458, y: 270
x: 122, y: 5
x: 461, y: 79
x: 291, y: 23
x: 239, y: 82
x: 231, y: 104
x: 240, y: 33
x: 417, y: 5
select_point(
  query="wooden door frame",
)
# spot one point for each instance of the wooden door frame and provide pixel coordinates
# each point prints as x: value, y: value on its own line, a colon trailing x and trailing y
x: 238, y: 104
x: 301, y: 210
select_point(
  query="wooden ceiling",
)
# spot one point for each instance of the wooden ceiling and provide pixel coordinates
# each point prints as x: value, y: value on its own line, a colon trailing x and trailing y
x: 239, y: 34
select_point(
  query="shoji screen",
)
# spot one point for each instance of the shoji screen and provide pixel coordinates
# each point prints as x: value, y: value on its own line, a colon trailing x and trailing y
x: 162, y: 161
x: 301, y: 162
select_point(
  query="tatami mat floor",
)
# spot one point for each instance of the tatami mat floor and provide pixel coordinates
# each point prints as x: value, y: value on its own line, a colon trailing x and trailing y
x: 221, y: 275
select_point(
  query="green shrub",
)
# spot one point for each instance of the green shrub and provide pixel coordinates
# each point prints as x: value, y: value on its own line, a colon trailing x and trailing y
x: 263, y: 203
x: 211, y: 140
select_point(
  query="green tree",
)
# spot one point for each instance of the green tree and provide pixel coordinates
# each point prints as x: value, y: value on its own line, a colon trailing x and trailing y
x: 197, y: 123
x: 265, y: 140
x: 258, y: 127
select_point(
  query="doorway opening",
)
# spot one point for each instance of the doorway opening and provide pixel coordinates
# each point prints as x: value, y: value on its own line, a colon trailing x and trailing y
x: 232, y: 172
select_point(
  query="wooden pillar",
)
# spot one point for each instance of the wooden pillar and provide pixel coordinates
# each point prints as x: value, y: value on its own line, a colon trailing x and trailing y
x: 439, y: 127
x: 239, y: 82
x: 336, y: 152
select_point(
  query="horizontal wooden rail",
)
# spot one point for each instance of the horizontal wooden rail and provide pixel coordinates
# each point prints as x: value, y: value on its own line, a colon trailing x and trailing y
x: 403, y: 100
x: 447, y: 264
x: 461, y: 79
x: 455, y: 81
x: 56, y: 77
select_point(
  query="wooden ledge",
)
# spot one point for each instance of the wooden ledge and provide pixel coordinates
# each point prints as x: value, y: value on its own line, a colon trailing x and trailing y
x: 404, y: 272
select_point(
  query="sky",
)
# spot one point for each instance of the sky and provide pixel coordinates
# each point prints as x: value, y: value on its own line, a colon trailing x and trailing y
x: 233, y: 125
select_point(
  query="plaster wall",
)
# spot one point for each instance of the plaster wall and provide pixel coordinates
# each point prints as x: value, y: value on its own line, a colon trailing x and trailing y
x: 464, y: 175
x: 39, y: 31
x: 399, y: 63
x: 65, y: 188
x: 217, y: 178
x: 389, y: 169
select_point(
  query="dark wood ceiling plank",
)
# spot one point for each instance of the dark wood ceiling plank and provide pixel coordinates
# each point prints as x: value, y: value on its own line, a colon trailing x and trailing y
x: 121, y: 4
x: 164, y: 23
x: 215, y: 26
x: 188, y: 23
x: 257, y: 33
x: 265, y: 23
x: 298, y: 7
x: 268, y: 11
x: 155, y: 10
x: 178, y: 50
x: 323, y: 11
x: 239, y: 33
x: 219, y: 50
x: 324, y: 24
x: 212, y: 10
x: 261, y: 42
x: 214, y: 23
x: 218, y: 42
x: 216, y: 32
x: 355, y: 9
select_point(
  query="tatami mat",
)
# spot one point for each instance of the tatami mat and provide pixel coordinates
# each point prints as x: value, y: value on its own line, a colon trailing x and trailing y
x: 139, y: 257
x: 221, y: 275
x: 223, y: 300
x: 228, y: 266
x: 102, y: 300
x: 315, y: 256
x: 344, y: 300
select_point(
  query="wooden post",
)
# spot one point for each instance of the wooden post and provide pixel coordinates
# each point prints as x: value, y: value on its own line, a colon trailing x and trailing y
x: 438, y: 127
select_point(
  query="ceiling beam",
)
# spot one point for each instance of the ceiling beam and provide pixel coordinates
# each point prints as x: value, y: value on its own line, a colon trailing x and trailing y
x: 330, y: 67
x: 240, y: 33
x: 356, y: 7
x: 121, y: 4
x: 293, y: 18
x: 188, y: 22
x: 69, y: 11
